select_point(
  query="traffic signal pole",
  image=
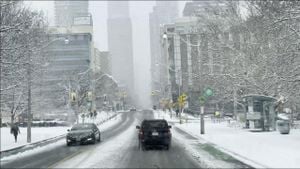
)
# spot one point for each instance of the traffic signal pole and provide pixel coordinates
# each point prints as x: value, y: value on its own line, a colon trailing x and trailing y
x: 202, y: 120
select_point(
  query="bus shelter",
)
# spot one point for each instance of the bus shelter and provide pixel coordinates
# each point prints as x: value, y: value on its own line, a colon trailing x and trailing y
x: 260, y: 113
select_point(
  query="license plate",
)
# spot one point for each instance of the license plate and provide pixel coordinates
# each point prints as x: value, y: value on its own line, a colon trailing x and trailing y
x: 154, y: 133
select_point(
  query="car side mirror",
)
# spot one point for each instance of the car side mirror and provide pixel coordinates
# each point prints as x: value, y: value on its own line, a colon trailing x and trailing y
x: 68, y: 130
x: 170, y: 127
x: 138, y: 127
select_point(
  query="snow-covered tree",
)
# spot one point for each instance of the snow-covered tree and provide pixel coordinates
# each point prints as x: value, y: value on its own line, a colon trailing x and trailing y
x: 22, y: 38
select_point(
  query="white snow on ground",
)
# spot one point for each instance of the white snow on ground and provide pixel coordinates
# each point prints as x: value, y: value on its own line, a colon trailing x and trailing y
x: 258, y: 149
x: 37, y: 134
x: 106, y: 155
x: 104, y: 126
x: 42, y: 133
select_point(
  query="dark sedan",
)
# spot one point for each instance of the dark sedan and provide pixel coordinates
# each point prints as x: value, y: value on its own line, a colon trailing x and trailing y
x: 154, y: 133
x: 83, y: 133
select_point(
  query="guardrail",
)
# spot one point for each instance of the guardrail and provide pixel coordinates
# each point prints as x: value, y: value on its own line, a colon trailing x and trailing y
x: 26, y: 147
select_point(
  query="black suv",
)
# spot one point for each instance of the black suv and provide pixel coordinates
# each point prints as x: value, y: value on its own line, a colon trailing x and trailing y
x: 83, y: 133
x: 154, y: 133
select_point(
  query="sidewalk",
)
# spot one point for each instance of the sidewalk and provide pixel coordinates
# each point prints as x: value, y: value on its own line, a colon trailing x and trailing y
x: 42, y: 133
x: 258, y: 149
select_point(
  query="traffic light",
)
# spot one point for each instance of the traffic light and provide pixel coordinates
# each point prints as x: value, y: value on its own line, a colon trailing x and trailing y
x: 184, y: 97
x: 182, y: 100
x: 73, y: 97
x: 89, y: 96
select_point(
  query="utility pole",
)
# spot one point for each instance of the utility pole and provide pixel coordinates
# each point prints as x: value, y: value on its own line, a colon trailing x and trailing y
x: 234, y: 103
x: 0, y: 84
x: 202, y: 120
x: 203, y: 99
x: 29, y: 93
x: 0, y: 87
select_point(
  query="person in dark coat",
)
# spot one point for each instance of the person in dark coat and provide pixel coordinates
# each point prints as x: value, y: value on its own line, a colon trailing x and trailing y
x: 177, y: 112
x: 95, y: 113
x: 15, y: 131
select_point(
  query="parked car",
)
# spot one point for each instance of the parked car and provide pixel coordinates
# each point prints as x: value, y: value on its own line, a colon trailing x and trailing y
x: 154, y: 132
x: 83, y: 133
x: 133, y: 109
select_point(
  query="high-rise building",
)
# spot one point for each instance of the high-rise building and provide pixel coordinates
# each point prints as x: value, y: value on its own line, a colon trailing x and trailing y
x: 120, y: 44
x: 164, y: 12
x: 102, y: 61
x: 105, y: 59
x: 65, y: 11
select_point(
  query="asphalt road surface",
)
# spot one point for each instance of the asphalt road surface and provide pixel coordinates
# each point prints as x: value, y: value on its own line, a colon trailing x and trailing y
x: 133, y: 157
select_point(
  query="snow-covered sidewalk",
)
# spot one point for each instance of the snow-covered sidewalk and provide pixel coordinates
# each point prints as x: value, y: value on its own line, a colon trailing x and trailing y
x: 43, y: 133
x: 104, y: 126
x: 258, y: 149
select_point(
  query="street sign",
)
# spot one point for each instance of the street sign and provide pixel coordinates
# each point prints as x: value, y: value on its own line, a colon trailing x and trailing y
x: 208, y: 92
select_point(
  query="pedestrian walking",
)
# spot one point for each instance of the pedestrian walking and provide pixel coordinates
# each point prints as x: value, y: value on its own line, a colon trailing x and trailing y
x: 95, y: 113
x: 91, y: 114
x: 15, y: 131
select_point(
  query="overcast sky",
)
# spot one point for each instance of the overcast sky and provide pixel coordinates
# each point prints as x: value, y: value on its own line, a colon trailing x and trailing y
x: 139, y: 11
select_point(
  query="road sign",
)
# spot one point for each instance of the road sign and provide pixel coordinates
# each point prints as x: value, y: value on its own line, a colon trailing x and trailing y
x: 208, y: 92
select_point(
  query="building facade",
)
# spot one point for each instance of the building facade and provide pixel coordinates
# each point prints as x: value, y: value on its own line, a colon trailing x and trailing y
x: 120, y: 44
x: 105, y: 62
x: 70, y: 57
x: 65, y: 11
x: 190, y: 54
x: 164, y: 12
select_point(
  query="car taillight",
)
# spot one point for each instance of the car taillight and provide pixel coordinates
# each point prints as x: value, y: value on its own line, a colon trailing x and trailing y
x: 169, y: 132
x: 141, y: 133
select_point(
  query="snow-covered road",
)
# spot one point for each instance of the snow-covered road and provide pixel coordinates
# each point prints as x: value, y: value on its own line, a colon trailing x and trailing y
x: 122, y: 151
x: 119, y: 149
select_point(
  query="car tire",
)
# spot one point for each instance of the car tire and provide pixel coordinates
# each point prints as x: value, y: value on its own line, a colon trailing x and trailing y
x: 94, y: 140
x: 144, y: 148
x: 99, y: 139
x: 68, y: 144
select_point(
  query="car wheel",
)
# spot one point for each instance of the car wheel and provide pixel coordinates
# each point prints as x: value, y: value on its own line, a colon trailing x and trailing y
x: 94, y: 140
x: 68, y: 144
x: 144, y: 147
x: 167, y: 147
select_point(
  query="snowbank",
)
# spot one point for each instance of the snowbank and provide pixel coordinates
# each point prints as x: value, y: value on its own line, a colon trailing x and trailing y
x: 37, y: 134
x: 258, y: 149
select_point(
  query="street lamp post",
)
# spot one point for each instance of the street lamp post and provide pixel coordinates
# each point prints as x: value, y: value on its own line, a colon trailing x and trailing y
x: 29, y: 90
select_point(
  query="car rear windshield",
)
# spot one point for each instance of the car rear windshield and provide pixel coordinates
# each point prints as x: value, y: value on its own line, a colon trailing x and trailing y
x: 154, y: 124
x: 82, y: 127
